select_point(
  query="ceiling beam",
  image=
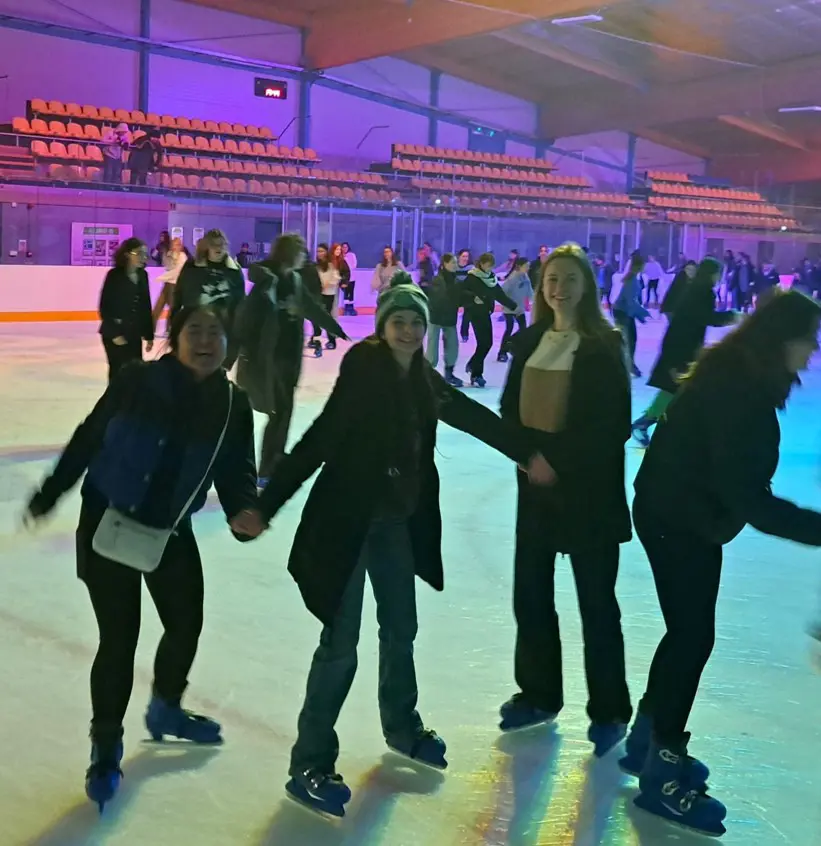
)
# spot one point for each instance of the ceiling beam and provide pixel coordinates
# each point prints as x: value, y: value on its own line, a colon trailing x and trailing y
x: 260, y: 9
x: 768, y: 169
x: 441, y: 60
x: 763, y: 130
x: 546, y: 47
x: 757, y: 90
x: 665, y: 140
x: 385, y: 29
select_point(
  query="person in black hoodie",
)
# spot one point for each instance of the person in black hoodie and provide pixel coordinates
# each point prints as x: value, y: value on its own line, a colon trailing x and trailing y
x: 443, y: 298
x: 678, y: 287
x: 480, y: 294
x: 682, y: 341
x: 375, y: 442
x: 569, y: 386
x: 707, y: 475
x: 161, y: 434
x: 464, y: 265
x: 213, y: 278
x: 125, y: 307
x: 270, y: 329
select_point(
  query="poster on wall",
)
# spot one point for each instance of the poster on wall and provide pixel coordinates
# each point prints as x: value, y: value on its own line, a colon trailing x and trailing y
x: 176, y: 232
x: 198, y: 235
x: 94, y: 244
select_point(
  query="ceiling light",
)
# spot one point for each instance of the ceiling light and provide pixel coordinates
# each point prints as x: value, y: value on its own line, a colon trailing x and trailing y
x: 787, y: 109
x: 578, y: 19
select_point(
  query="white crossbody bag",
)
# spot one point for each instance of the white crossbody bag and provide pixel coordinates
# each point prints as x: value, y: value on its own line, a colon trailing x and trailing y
x: 126, y: 541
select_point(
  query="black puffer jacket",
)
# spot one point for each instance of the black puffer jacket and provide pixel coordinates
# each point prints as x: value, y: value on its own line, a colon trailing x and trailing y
x: 125, y: 306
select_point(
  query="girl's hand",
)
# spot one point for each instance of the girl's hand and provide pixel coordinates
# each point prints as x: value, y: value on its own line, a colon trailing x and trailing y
x: 248, y: 523
x: 539, y: 471
x: 119, y: 341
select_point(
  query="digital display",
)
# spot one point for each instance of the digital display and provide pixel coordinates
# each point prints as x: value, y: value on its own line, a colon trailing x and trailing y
x: 271, y: 89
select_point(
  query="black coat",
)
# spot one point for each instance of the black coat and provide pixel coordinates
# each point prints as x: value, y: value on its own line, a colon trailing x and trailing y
x: 270, y: 334
x: 587, y: 507
x: 675, y: 292
x: 709, y: 468
x: 444, y: 298
x: 222, y: 287
x: 685, y: 335
x: 357, y: 440
x: 474, y: 288
x: 125, y: 306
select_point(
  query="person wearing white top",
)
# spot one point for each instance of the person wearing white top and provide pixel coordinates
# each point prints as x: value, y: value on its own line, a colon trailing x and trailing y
x: 653, y: 274
x: 330, y: 278
x: 173, y: 261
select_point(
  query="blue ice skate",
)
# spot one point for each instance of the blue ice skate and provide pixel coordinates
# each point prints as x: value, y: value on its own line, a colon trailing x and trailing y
x: 667, y: 793
x: 424, y: 748
x: 518, y: 714
x: 321, y: 792
x: 605, y: 736
x: 104, y: 775
x: 637, y: 748
x: 164, y: 719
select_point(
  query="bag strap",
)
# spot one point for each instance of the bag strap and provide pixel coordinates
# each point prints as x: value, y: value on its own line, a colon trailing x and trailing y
x: 213, y: 458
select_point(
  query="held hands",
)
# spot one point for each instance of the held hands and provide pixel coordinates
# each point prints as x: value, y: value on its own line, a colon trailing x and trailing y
x: 539, y: 471
x: 248, y: 523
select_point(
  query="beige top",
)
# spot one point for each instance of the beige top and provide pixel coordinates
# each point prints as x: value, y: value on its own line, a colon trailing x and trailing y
x: 546, y: 382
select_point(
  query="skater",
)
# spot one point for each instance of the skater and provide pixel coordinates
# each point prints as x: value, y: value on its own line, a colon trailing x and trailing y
x: 682, y: 342
x: 481, y: 292
x: 271, y: 335
x: 569, y: 386
x: 628, y: 309
x: 678, y: 287
x: 213, y: 278
x: 174, y: 260
x: 384, y: 271
x: 347, y: 283
x: 706, y: 475
x: 329, y: 279
x: 653, y: 273
x: 375, y: 443
x: 125, y: 307
x: 604, y: 277
x: 444, y: 310
x: 161, y: 434
x: 517, y: 287
x: 464, y: 264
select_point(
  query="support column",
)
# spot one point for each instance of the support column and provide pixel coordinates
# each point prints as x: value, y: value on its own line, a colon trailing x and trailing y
x: 540, y: 149
x: 303, y: 128
x: 145, y: 56
x: 433, y: 101
x: 630, y: 165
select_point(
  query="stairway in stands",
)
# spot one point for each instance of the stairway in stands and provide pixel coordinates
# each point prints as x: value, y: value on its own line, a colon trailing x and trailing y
x: 16, y: 163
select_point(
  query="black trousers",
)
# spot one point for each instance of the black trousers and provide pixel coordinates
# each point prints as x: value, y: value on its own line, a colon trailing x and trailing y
x: 176, y: 587
x: 119, y: 355
x: 627, y: 325
x: 538, y: 644
x: 687, y: 573
x: 349, y: 290
x: 464, y: 328
x: 275, y: 437
x: 652, y: 288
x: 483, y: 329
x: 139, y: 177
x: 512, y: 320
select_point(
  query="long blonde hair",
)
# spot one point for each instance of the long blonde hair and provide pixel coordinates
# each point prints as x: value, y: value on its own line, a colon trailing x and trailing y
x: 590, y: 320
x: 205, y: 242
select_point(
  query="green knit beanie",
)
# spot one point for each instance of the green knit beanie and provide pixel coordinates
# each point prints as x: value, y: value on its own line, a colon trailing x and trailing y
x: 399, y: 298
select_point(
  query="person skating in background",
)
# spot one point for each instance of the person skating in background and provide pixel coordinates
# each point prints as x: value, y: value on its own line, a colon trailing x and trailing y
x: 682, y: 342
x: 174, y: 260
x: 125, y: 307
x: 706, y: 475
x: 350, y: 256
x: 517, y: 287
x: 244, y: 257
x: 464, y: 264
x: 384, y: 271
x: 346, y: 280
x: 653, y: 273
x: 444, y: 296
x: 270, y: 326
x: 161, y: 434
x: 628, y: 309
x: 329, y: 279
x: 213, y: 278
x: 424, y: 269
x: 162, y: 247
x: 604, y: 277
x: 569, y: 386
x: 480, y: 294
x: 374, y: 442
x: 743, y: 283
x: 678, y: 287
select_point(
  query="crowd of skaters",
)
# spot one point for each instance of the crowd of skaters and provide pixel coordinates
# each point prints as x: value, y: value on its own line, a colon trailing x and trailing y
x: 166, y: 429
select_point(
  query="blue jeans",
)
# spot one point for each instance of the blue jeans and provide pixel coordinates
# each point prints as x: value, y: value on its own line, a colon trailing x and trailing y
x: 387, y: 558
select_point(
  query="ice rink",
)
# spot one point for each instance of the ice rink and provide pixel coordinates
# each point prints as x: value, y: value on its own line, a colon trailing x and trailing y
x: 755, y: 722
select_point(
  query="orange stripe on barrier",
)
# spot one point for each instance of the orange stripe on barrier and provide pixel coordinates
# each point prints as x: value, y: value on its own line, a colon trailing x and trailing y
x: 79, y: 316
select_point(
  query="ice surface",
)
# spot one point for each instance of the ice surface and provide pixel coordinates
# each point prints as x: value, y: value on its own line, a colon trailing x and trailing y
x: 755, y: 722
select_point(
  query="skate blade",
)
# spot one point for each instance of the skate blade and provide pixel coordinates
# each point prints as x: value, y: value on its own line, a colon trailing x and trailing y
x: 714, y: 834
x: 550, y: 721
x: 332, y: 813
x: 437, y: 768
x: 170, y: 742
